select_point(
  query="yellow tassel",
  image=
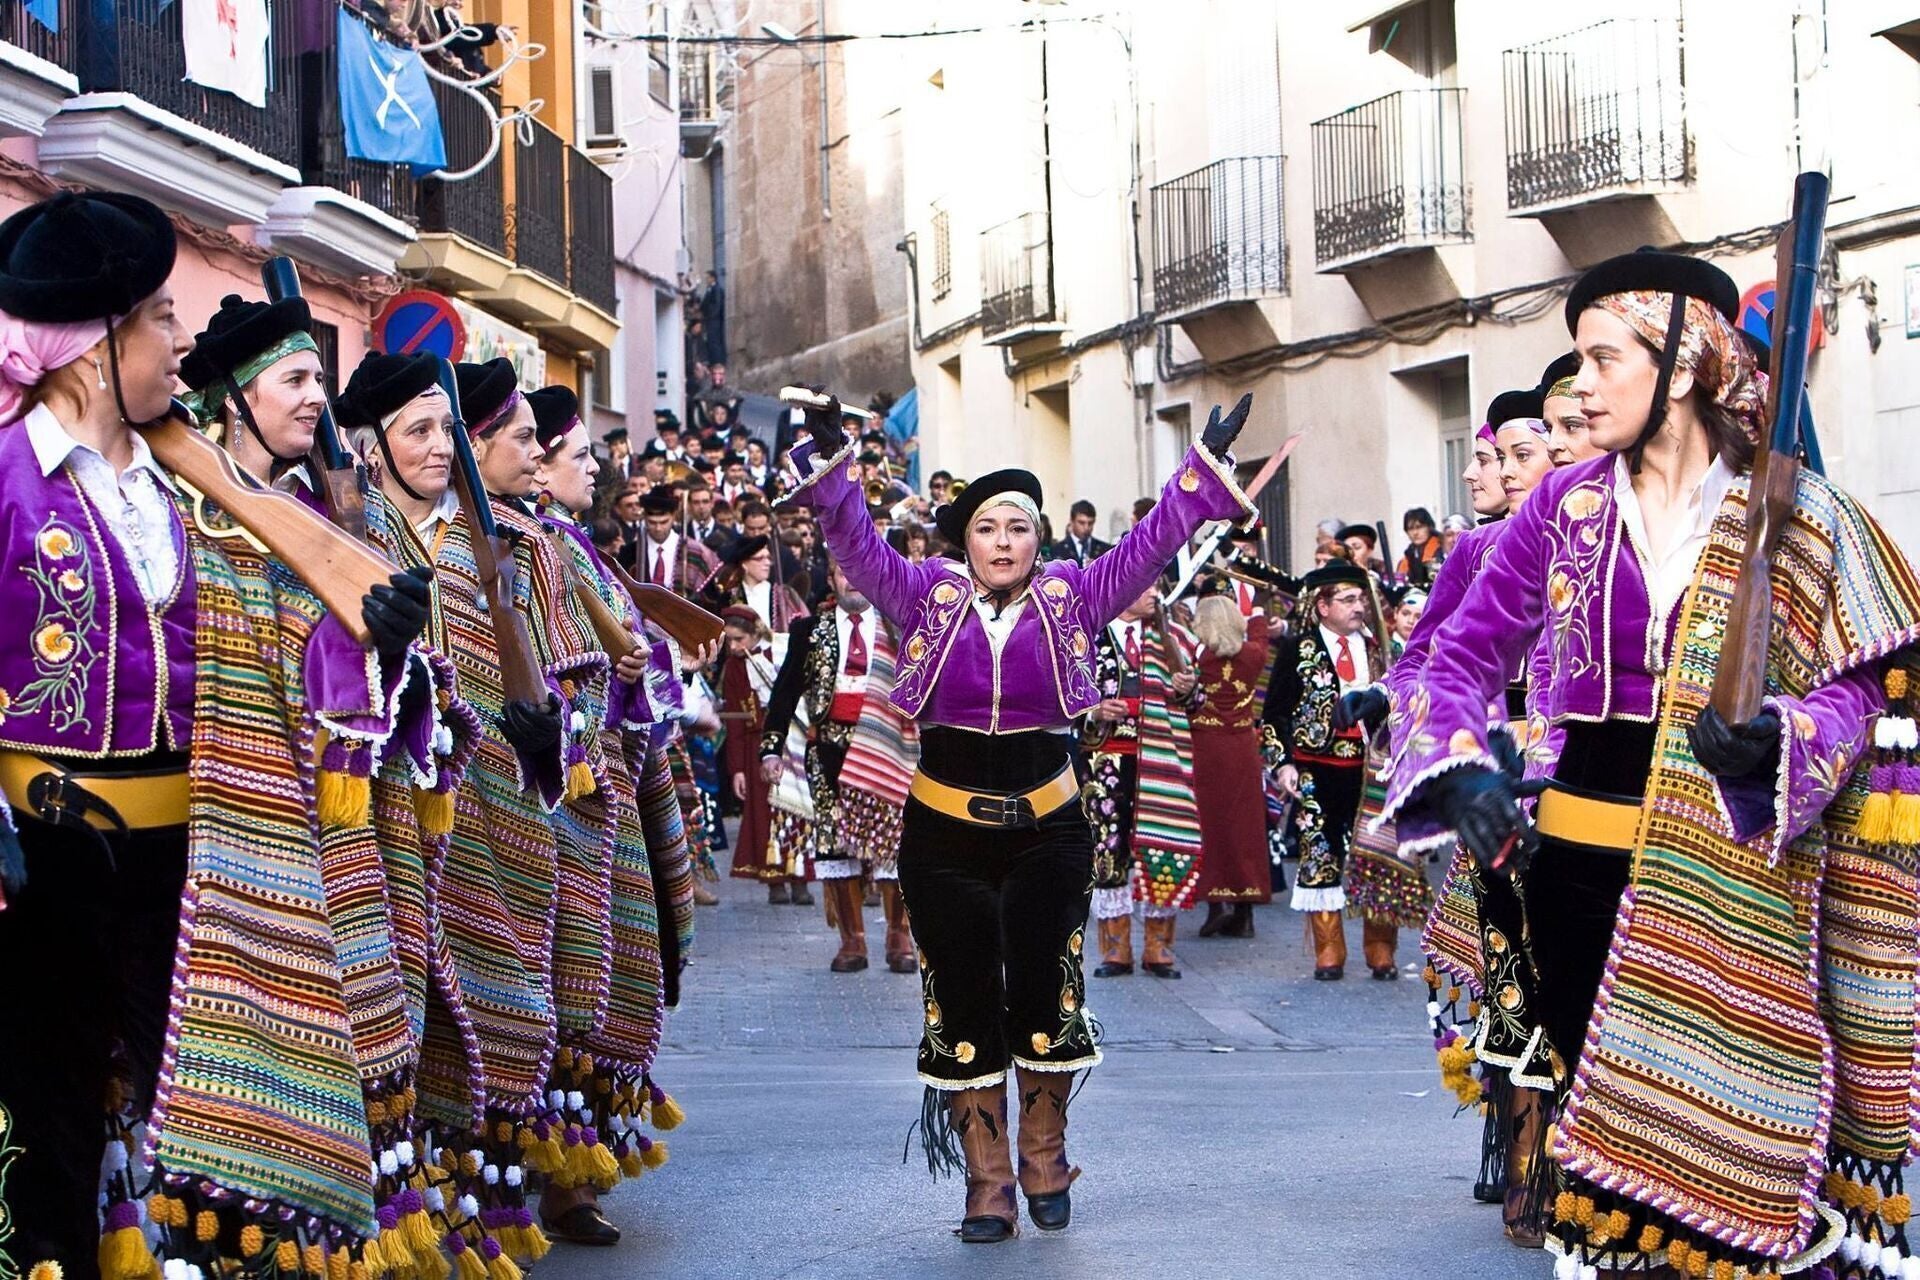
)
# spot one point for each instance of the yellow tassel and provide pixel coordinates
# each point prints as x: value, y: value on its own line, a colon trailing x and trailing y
x: 1650, y: 1239
x: 421, y: 1240
x: 1906, y: 818
x: 470, y: 1265
x: 538, y: 1246
x: 341, y: 799
x: 432, y: 1266
x: 373, y: 1259
x: 1677, y: 1254
x: 580, y: 780
x: 313, y: 1260
x: 630, y: 1163
x: 1876, y: 818
x: 337, y: 1265
x: 668, y: 1114
x: 1896, y: 683
x: 434, y: 811
x: 1697, y: 1263
x: 1563, y: 1207
x: 654, y: 1156
x: 160, y: 1210
x: 1583, y: 1211
x: 124, y: 1255
x: 503, y: 1268
x: 602, y: 1169
x: 358, y: 1271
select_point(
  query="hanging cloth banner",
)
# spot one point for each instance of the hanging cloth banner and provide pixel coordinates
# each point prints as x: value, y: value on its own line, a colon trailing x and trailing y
x: 386, y: 103
x: 226, y: 46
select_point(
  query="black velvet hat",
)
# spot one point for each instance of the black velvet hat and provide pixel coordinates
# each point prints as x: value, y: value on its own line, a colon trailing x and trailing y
x: 953, y: 518
x: 1509, y: 405
x: 1563, y: 367
x: 1334, y: 573
x: 484, y: 390
x: 661, y: 500
x: 666, y: 420
x: 555, y: 411
x: 241, y: 331
x: 383, y: 384
x: 79, y: 257
x: 1367, y: 531
x: 653, y: 449
x: 1660, y: 272
x: 745, y: 549
x: 615, y: 436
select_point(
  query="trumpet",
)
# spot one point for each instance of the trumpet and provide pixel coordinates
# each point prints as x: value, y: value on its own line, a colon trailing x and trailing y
x: 876, y: 492
x: 678, y: 472
x: 955, y: 489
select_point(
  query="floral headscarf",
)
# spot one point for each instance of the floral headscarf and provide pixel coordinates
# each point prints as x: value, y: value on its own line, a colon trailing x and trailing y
x: 1722, y: 364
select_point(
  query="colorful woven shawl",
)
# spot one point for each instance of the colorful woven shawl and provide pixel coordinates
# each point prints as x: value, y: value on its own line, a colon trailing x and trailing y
x: 1751, y: 1010
x: 1166, y: 821
x: 1380, y: 885
x: 881, y: 758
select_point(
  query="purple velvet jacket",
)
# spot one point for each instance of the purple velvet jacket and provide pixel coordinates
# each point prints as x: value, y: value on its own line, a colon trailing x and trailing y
x: 947, y: 672
x: 88, y: 670
x: 1565, y: 563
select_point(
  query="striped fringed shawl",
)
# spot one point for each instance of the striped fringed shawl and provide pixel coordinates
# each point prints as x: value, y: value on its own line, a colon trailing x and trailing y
x: 260, y: 1089
x: 1381, y: 886
x: 1748, y: 1011
x: 1166, y: 821
x: 881, y: 758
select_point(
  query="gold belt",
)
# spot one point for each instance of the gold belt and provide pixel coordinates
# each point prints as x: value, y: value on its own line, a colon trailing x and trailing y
x: 995, y: 808
x: 1577, y: 819
x: 107, y: 802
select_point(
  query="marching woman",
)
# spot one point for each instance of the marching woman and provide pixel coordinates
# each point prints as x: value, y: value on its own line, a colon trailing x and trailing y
x: 158, y: 698
x: 996, y: 855
x: 1235, y: 875
x: 1710, y: 905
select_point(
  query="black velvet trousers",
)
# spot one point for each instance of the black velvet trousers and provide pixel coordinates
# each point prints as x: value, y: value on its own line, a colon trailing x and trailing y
x: 999, y: 916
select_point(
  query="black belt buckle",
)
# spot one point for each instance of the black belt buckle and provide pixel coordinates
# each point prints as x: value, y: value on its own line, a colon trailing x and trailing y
x: 62, y: 802
x: 1002, y: 811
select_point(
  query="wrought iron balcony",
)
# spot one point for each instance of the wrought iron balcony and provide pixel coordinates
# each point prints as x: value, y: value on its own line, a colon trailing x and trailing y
x: 1016, y: 275
x: 1596, y: 111
x: 1219, y: 235
x: 324, y: 161
x: 590, y: 203
x: 20, y: 28
x: 538, y: 219
x: 134, y: 46
x: 1390, y: 175
x: 474, y: 207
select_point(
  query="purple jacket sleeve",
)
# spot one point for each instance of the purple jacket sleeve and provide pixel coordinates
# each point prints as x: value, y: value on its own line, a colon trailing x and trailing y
x: 1821, y: 737
x: 351, y: 690
x: 1201, y: 490
x: 894, y: 583
x: 1449, y: 588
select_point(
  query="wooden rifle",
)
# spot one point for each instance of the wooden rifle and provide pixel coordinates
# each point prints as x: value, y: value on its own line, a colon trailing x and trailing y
x: 1739, y: 681
x: 338, y: 569
x: 690, y: 626
x: 335, y: 473
x: 616, y: 640
x: 493, y: 564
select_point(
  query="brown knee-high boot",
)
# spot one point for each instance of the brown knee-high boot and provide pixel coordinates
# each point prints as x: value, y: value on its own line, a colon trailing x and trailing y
x: 845, y: 895
x: 1378, y: 941
x: 1045, y: 1175
x: 1328, y: 937
x: 1116, y: 947
x: 979, y: 1119
x: 899, y: 933
x: 1158, y: 959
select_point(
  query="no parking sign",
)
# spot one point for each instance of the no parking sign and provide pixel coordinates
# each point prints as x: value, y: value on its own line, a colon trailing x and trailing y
x: 420, y: 320
x: 1756, y: 317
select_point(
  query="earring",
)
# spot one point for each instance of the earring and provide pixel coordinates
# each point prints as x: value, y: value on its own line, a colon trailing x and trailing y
x: 100, y: 373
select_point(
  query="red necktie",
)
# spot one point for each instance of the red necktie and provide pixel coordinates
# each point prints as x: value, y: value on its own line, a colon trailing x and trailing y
x: 1343, y: 665
x: 1246, y: 599
x: 856, y: 647
x: 1133, y: 648
x: 659, y: 567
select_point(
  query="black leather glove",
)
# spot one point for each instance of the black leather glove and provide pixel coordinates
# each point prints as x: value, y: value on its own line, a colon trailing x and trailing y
x: 1736, y: 750
x: 396, y: 612
x: 1362, y: 708
x: 1480, y: 804
x: 13, y: 865
x: 531, y: 728
x: 1221, y: 432
x: 823, y: 424
x: 413, y: 698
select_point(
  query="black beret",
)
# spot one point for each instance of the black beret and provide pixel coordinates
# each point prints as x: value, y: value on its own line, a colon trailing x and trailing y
x: 1334, y: 573
x: 733, y: 460
x: 745, y: 549
x: 661, y: 500
x: 665, y: 420
x: 1509, y: 405
x: 81, y: 257
x: 484, y: 388
x: 1563, y: 366
x: 615, y: 436
x: 1252, y: 533
x: 1660, y: 272
x: 1367, y: 531
x: 953, y: 518
x: 653, y: 449
x: 383, y: 384
x: 555, y: 411
x: 238, y: 332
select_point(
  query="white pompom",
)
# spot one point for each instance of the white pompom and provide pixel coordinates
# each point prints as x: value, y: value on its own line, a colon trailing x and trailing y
x: 1566, y: 1267
x: 1891, y: 1259
x: 1433, y: 1010
x: 491, y: 1175
x: 1589, y: 1272
x: 404, y: 1150
x: 1850, y: 1247
x: 389, y: 1163
x: 470, y: 1206
x: 514, y: 1175
x: 1909, y: 734
x: 557, y: 1099
x: 1910, y: 1269
x: 1883, y: 733
x: 436, y: 1200
x: 576, y: 1101
x: 578, y: 722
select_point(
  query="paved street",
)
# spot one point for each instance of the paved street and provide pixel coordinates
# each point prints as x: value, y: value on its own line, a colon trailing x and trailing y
x: 1247, y: 1121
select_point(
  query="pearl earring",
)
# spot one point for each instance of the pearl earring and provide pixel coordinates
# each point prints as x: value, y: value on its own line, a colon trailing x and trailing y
x: 100, y: 373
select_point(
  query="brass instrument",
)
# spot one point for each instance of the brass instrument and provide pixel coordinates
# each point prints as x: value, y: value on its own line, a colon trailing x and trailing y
x: 955, y: 489
x: 876, y: 491
x: 678, y: 472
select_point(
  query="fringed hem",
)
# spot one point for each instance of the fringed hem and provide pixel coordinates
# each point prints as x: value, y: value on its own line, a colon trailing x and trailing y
x: 954, y: 1086
x: 1334, y: 899
x: 1078, y: 1064
x: 1398, y: 796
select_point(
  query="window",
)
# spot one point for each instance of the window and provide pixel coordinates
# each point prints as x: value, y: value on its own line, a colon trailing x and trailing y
x: 1421, y: 37
x: 327, y: 338
x: 942, y: 254
x: 609, y: 374
x: 1455, y: 414
x: 603, y: 114
x: 660, y: 80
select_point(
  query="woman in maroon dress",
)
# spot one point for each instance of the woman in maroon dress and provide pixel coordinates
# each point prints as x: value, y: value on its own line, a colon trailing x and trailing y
x: 746, y: 681
x: 1234, y: 870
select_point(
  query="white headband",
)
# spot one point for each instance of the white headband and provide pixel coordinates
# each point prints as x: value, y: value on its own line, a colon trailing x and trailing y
x: 1012, y: 498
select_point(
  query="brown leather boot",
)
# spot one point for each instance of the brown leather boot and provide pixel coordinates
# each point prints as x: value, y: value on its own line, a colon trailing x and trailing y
x: 1328, y: 937
x: 900, y: 958
x: 845, y: 895
x: 1378, y: 942
x: 1158, y: 958
x: 1116, y: 947
x: 979, y: 1118
x: 1044, y: 1172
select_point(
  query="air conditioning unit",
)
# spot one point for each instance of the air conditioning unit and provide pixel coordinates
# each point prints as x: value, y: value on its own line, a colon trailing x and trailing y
x: 603, y: 109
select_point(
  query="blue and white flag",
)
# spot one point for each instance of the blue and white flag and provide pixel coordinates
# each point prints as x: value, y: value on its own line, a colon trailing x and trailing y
x: 386, y: 102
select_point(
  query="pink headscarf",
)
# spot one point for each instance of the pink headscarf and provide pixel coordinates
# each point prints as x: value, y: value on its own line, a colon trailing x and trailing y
x: 29, y: 351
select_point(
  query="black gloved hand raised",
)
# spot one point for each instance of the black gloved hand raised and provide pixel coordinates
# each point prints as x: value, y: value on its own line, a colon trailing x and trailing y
x: 1736, y: 750
x: 823, y: 424
x: 13, y: 865
x: 531, y: 728
x: 1221, y: 432
x: 396, y: 612
x: 1480, y: 804
x: 1362, y: 707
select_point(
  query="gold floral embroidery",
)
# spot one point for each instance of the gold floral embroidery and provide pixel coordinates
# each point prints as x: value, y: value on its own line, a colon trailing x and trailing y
x: 63, y: 651
x: 1054, y: 588
x: 1041, y: 1044
x: 1189, y: 480
x: 1464, y: 742
x: 945, y: 593
x: 963, y: 1052
x: 1581, y: 503
x: 1560, y: 591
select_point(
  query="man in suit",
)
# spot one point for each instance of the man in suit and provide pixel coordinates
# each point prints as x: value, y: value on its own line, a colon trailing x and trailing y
x: 1079, y: 545
x: 665, y: 558
x: 702, y: 526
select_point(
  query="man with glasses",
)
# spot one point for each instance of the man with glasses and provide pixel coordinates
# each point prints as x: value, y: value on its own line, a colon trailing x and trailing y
x: 1322, y: 768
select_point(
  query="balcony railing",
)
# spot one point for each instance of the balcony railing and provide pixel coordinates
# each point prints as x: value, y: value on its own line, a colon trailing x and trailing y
x: 475, y: 207
x: 1390, y: 174
x: 133, y: 46
x: 324, y: 161
x: 21, y: 29
x: 1595, y: 110
x: 1016, y: 274
x: 1219, y: 235
x: 590, y: 203
x: 538, y: 219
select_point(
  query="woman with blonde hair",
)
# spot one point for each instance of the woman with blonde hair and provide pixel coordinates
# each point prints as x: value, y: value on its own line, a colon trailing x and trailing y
x: 1226, y: 766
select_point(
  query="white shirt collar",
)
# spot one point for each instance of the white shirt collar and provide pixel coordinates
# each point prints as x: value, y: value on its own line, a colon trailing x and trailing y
x: 443, y: 511
x: 53, y: 445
